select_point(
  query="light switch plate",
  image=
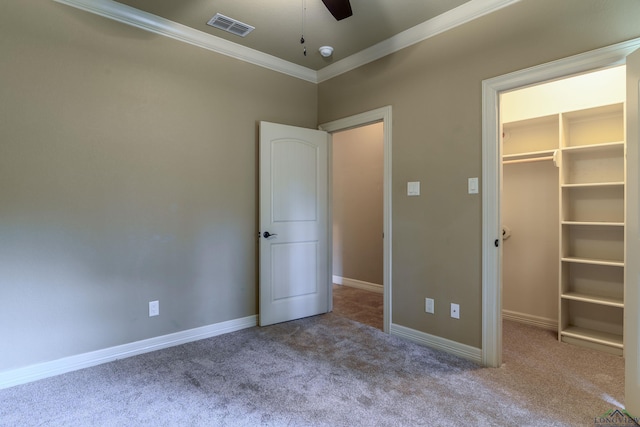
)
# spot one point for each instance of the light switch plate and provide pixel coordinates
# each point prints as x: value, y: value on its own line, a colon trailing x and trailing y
x: 413, y: 188
x: 154, y: 308
x: 428, y: 305
x: 473, y: 185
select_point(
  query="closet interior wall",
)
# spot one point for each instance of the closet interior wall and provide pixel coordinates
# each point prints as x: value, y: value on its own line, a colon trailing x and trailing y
x: 532, y: 128
x: 530, y: 224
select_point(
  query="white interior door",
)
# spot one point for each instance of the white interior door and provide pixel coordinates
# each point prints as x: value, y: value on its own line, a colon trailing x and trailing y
x: 632, y: 238
x: 294, y: 279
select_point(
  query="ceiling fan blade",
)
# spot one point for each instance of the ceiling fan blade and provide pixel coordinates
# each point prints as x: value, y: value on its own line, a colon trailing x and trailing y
x: 340, y: 9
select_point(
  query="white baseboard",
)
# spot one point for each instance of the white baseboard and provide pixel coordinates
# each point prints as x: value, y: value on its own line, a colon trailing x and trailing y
x: 537, y: 321
x: 367, y: 286
x: 73, y: 363
x: 465, y: 351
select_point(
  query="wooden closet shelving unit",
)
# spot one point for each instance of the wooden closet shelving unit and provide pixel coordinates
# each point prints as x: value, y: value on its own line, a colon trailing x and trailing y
x: 592, y: 174
x: 589, y: 148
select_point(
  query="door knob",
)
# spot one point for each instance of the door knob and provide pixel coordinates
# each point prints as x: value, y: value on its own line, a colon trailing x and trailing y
x: 266, y: 234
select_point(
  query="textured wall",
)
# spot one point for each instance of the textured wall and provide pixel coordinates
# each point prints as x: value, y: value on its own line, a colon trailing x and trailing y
x: 435, y: 90
x: 128, y: 170
x: 358, y: 203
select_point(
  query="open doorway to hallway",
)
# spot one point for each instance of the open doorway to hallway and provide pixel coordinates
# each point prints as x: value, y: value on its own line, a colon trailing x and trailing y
x: 357, y: 209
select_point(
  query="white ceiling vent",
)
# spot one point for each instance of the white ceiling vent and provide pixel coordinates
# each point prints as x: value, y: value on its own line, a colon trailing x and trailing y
x: 230, y: 25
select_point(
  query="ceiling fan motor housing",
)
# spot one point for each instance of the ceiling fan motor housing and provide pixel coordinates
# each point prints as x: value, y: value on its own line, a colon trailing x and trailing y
x: 340, y: 9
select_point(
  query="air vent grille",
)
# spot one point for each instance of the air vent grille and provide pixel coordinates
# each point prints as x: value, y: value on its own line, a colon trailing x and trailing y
x: 230, y: 25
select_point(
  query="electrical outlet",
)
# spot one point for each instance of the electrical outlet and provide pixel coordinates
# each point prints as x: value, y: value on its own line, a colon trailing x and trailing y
x: 428, y: 305
x: 455, y: 311
x: 154, y: 308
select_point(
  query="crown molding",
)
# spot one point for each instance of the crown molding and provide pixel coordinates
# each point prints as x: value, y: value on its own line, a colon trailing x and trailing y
x: 155, y: 24
x: 464, y: 13
x: 453, y: 18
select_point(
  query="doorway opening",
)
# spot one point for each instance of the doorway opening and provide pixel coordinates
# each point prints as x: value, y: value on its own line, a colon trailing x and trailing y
x: 381, y: 118
x: 563, y: 196
x: 357, y: 212
x: 562, y: 207
x: 492, y: 180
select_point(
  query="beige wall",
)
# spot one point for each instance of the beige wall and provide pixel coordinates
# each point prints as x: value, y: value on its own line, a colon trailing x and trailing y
x: 435, y: 90
x: 128, y: 168
x: 357, y: 203
x: 127, y: 174
x: 530, y: 256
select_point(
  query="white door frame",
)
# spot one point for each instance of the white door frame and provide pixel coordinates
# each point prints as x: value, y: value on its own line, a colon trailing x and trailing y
x: 383, y: 115
x: 492, y: 179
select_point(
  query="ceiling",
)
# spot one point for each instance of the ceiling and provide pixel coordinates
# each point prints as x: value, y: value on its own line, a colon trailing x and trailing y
x: 279, y: 23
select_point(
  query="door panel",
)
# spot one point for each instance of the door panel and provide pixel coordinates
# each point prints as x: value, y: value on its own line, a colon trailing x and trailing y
x: 295, y: 181
x: 293, y: 269
x: 294, y: 279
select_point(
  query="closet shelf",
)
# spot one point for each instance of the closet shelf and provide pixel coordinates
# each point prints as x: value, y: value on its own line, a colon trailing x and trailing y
x: 577, y: 296
x: 594, y: 223
x: 531, y: 155
x: 613, y: 340
x: 593, y: 261
x: 528, y: 160
x: 595, y: 184
x: 605, y: 146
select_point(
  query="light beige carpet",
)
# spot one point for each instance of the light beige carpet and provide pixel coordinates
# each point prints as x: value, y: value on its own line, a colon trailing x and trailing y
x: 327, y: 371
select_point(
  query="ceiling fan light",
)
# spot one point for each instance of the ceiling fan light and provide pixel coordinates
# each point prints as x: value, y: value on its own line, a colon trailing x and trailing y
x: 326, y: 51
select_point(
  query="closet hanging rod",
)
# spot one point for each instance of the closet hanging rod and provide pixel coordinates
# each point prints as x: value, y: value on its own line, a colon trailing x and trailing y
x: 530, y: 160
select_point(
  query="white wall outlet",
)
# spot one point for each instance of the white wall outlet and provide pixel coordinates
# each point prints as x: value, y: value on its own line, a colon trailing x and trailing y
x: 154, y: 308
x: 428, y: 305
x: 455, y: 311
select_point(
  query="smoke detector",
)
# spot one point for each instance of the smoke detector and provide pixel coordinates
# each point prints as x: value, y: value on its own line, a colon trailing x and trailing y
x: 326, y: 51
x: 230, y: 25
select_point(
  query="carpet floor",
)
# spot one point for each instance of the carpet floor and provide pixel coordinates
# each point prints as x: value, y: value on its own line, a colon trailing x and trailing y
x: 328, y: 371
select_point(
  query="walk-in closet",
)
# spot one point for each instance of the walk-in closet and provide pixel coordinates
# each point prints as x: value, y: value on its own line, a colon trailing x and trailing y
x: 562, y: 205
